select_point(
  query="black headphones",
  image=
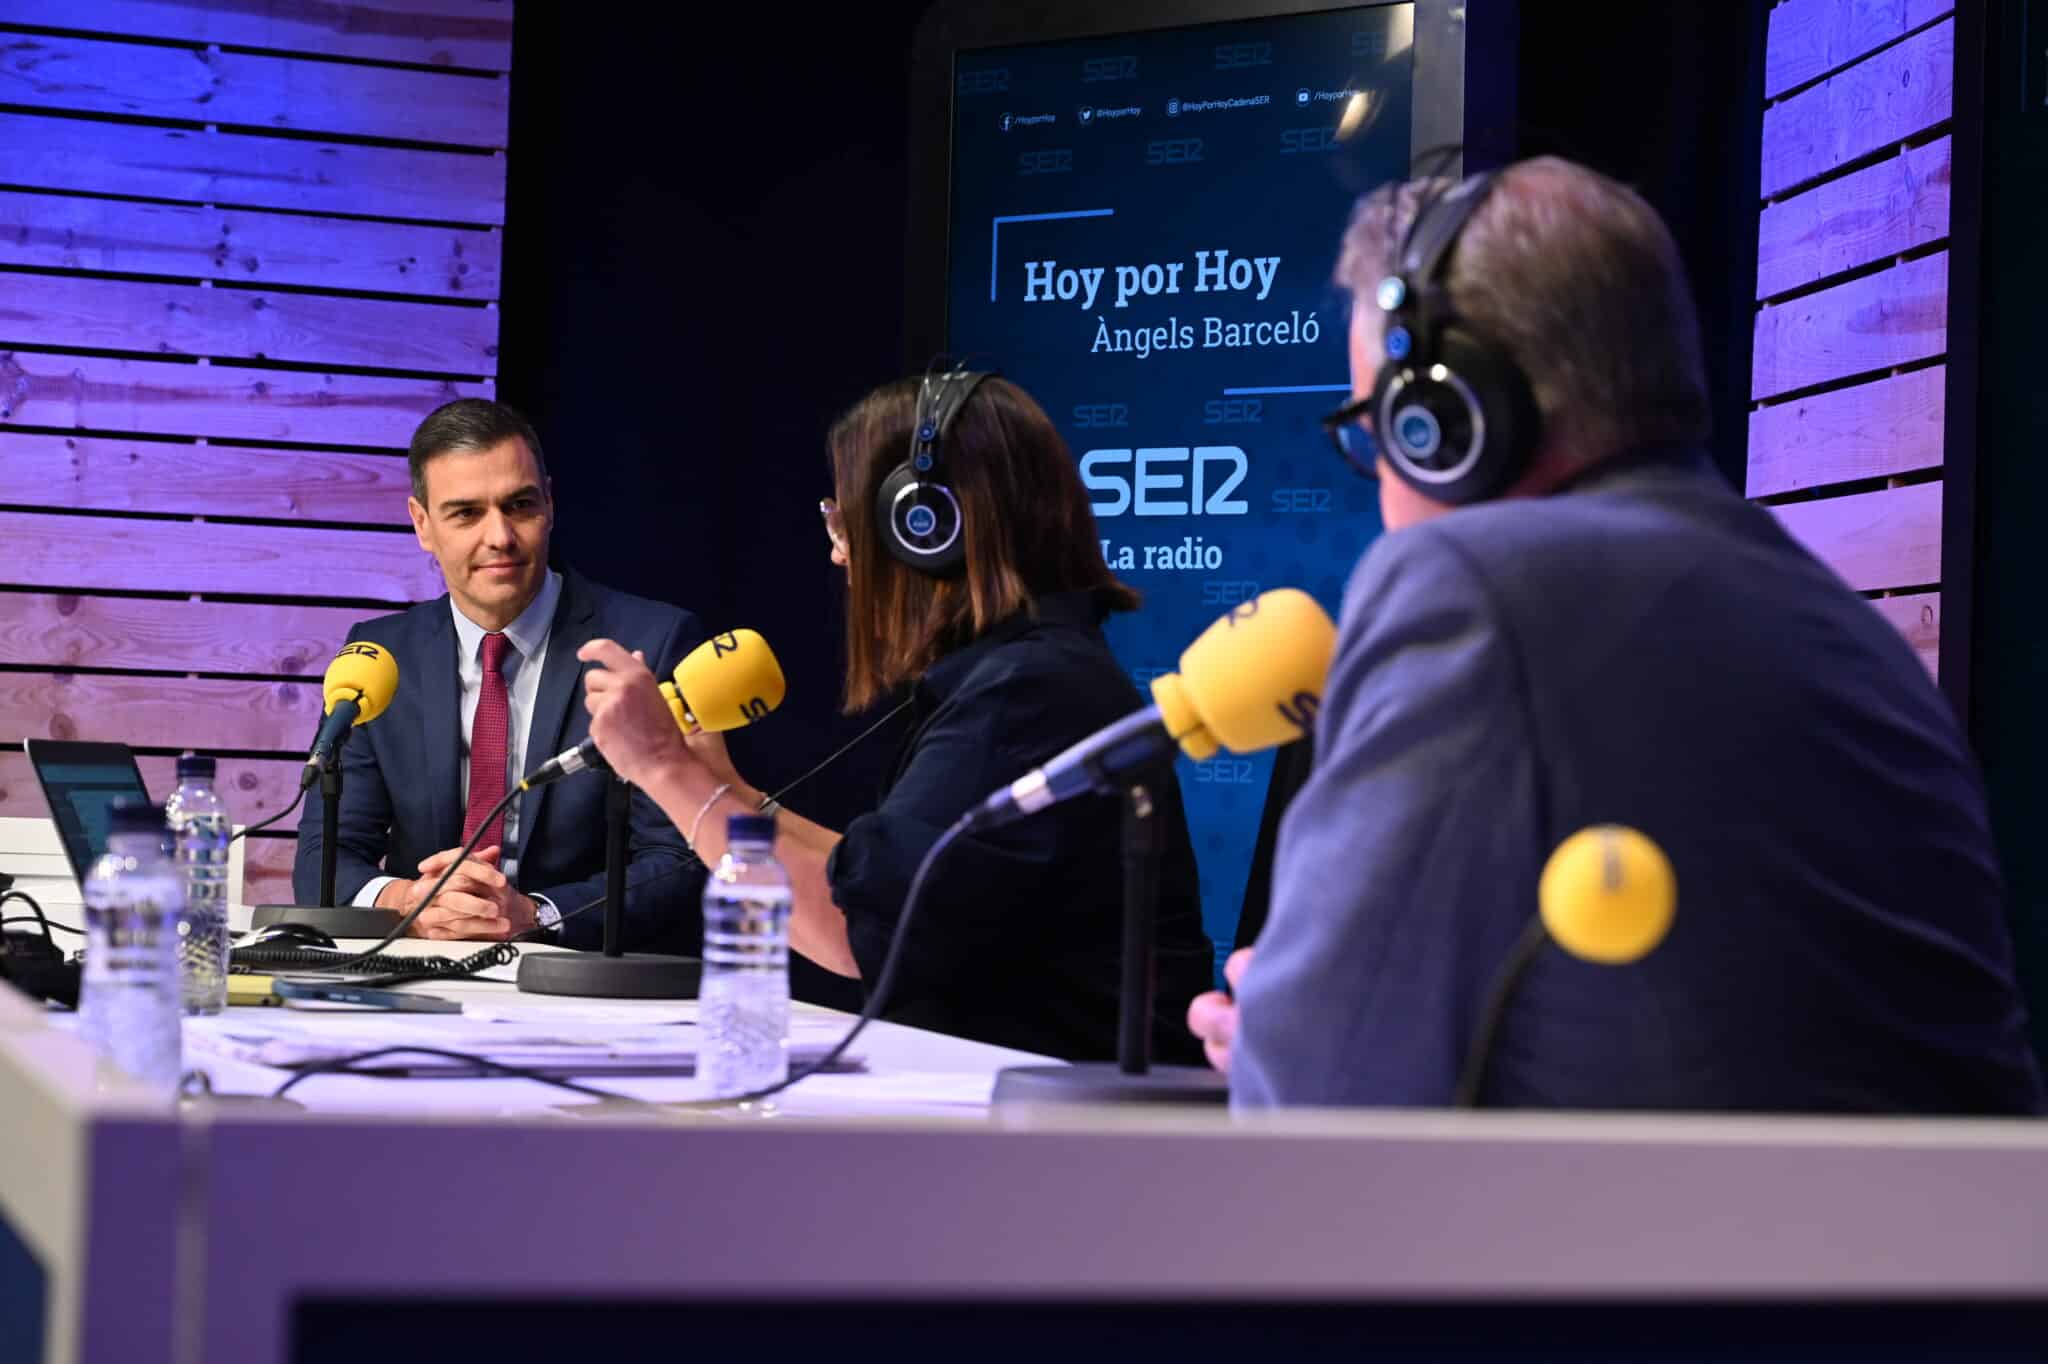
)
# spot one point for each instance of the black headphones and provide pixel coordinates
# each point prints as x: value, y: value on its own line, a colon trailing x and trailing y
x: 918, y: 514
x: 1453, y: 412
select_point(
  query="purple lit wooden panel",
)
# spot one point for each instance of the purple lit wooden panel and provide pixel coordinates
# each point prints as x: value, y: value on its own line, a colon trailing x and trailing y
x: 81, y: 75
x: 160, y: 712
x: 234, y: 403
x: 62, y: 232
x: 251, y: 170
x: 252, y: 787
x: 1874, y: 430
x: 246, y: 324
x: 1882, y: 100
x: 1883, y: 210
x: 72, y: 631
x: 1810, y: 38
x: 1917, y: 616
x: 1874, y: 540
x: 1867, y: 325
x: 472, y: 33
x: 98, y: 553
x: 107, y: 473
x: 267, y: 869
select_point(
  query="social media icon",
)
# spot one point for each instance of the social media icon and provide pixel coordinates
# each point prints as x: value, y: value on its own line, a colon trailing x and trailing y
x: 1086, y: 115
x: 1301, y: 96
x: 1173, y: 108
x: 1004, y: 122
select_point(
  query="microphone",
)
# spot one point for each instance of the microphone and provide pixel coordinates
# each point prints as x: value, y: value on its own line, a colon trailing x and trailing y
x: 359, y: 684
x: 1607, y: 895
x: 1252, y: 680
x: 727, y: 682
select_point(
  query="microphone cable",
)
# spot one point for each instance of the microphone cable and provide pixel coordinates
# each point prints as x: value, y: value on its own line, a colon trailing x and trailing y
x: 877, y: 997
x: 689, y: 854
x: 246, y: 830
x: 513, y: 793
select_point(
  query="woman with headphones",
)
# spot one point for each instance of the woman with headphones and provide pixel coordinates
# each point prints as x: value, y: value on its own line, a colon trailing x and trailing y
x: 975, y: 581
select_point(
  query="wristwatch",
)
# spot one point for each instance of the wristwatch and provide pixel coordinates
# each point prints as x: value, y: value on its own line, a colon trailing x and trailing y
x: 546, y: 918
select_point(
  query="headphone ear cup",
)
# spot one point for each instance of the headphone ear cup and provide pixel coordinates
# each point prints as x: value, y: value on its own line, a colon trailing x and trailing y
x: 920, y: 522
x: 1463, y: 437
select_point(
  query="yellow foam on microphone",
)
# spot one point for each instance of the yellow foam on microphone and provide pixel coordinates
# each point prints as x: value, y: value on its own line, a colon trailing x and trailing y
x: 727, y: 682
x: 1253, y: 680
x: 362, y: 672
x: 1608, y: 895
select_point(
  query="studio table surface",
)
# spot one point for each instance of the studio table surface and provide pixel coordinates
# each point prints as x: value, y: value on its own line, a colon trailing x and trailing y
x: 216, y: 1230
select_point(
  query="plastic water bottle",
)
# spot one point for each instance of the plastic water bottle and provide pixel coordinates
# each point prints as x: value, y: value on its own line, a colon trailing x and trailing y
x: 129, y: 998
x: 199, y: 824
x: 743, y: 1006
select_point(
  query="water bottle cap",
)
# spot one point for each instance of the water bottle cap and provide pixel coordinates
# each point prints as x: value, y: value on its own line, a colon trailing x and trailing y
x: 195, y: 766
x: 130, y: 815
x: 756, y: 829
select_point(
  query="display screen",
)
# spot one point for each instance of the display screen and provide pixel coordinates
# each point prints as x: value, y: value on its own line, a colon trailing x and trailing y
x: 82, y: 796
x: 1142, y: 234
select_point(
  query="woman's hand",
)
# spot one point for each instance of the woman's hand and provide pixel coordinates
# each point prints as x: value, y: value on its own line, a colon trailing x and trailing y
x: 629, y: 720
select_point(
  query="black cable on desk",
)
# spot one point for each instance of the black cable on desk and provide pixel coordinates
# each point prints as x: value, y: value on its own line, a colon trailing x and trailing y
x: 347, y: 1065
x: 40, y: 917
x: 877, y: 997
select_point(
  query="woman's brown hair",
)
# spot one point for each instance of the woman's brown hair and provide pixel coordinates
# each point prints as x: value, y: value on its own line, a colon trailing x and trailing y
x: 1025, y: 517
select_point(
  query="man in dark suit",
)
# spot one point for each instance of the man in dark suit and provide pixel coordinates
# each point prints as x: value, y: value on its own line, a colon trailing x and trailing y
x: 491, y: 688
x: 1605, y: 632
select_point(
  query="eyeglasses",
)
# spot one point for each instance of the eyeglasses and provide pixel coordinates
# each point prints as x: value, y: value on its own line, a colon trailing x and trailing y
x: 835, y: 523
x: 1350, y: 431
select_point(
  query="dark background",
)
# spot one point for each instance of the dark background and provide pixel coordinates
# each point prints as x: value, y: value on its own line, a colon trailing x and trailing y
x: 705, y: 263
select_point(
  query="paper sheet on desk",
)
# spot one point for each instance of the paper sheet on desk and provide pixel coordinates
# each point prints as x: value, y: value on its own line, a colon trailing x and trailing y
x: 275, y: 1038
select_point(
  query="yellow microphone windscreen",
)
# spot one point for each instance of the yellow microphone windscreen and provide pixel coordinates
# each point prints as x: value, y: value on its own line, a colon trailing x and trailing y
x: 363, y: 672
x: 1608, y: 895
x: 730, y: 680
x: 1252, y: 680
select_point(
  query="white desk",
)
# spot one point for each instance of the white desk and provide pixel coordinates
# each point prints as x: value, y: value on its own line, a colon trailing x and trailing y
x: 197, y: 1235
x: 908, y: 1071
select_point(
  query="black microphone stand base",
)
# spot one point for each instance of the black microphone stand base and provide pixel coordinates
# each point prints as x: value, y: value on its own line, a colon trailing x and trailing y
x: 336, y: 921
x: 630, y: 975
x: 1108, y: 1083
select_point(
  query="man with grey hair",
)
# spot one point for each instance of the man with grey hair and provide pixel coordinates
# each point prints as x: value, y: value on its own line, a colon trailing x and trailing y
x: 1572, y: 620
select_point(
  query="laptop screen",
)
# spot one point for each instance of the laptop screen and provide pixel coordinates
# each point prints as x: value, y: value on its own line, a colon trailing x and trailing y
x: 81, y: 782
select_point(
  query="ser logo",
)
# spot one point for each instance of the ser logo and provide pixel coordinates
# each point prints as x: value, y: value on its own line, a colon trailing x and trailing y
x: 1295, y: 141
x: 993, y: 81
x: 361, y: 649
x: 1095, y: 69
x: 1237, y: 56
x: 1173, y: 151
x: 1290, y: 501
x: 1224, y: 592
x: 1051, y: 161
x: 1095, y: 416
x: 1234, y: 412
x: 1224, y: 772
x: 1167, y: 481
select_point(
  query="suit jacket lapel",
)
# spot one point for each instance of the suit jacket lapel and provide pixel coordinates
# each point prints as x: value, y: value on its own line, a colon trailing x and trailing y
x: 575, y: 625
x: 441, y: 720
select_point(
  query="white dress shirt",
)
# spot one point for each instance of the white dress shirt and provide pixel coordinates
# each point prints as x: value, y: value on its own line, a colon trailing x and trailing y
x: 521, y: 670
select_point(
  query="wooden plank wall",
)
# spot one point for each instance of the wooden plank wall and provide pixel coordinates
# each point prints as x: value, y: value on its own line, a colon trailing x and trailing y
x: 1846, y: 432
x: 244, y: 248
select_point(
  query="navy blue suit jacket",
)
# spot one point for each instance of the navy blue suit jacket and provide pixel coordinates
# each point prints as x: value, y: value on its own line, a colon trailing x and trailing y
x: 1644, y: 649
x: 402, y: 776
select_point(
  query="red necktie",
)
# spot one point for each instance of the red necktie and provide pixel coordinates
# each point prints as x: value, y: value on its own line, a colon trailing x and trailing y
x: 487, y: 745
